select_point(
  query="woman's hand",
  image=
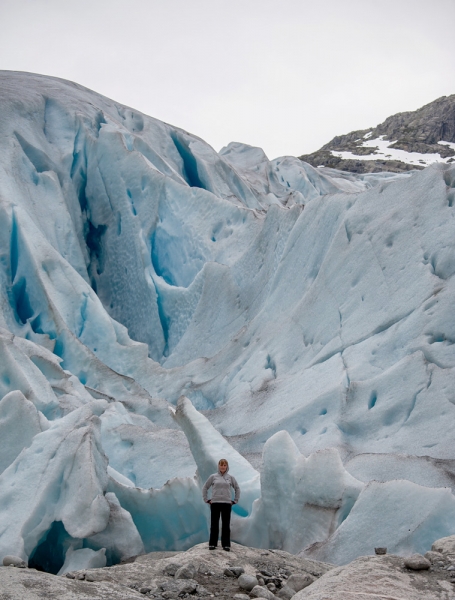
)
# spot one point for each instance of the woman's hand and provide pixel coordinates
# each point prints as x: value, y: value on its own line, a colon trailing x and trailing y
x: 209, y: 501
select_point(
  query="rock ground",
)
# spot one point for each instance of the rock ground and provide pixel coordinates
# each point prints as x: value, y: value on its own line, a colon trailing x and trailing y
x: 154, y: 574
x: 213, y: 574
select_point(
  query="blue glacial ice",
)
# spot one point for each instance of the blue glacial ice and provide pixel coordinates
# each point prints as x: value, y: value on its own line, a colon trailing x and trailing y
x: 163, y: 305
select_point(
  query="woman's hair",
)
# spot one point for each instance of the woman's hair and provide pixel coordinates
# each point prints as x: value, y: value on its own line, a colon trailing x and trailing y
x: 223, y: 461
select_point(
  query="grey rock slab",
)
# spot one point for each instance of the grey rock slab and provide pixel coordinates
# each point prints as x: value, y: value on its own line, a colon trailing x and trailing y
x: 261, y: 592
x: 299, y: 582
x: 417, y: 562
x: 377, y: 578
x: 28, y: 584
x: 247, y: 582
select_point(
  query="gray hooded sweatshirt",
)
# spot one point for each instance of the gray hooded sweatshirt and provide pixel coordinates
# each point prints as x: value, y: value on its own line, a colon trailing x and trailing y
x: 221, y: 487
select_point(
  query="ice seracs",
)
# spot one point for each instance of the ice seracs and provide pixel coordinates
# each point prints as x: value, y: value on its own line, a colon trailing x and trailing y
x: 305, y: 315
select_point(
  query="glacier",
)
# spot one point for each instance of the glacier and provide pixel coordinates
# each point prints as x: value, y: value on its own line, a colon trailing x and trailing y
x: 163, y: 305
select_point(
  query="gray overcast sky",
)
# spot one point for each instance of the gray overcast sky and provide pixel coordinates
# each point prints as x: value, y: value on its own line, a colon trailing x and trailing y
x: 285, y: 75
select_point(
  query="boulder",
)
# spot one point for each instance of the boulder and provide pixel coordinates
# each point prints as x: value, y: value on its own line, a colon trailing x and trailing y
x: 186, y: 572
x: 417, y: 562
x: 247, y: 582
x: 14, y: 561
x: 171, y: 569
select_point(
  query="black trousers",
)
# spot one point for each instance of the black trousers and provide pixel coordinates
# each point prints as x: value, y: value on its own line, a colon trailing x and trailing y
x: 222, y: 509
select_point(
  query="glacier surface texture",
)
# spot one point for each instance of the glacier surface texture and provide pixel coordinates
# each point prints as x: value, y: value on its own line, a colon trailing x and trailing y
x: 163, y: 305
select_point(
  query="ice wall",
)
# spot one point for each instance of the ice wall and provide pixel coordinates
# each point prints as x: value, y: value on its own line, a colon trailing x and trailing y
x: 137, y: 265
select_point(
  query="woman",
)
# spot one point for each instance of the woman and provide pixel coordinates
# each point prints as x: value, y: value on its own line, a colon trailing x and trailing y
x: 220, y: 504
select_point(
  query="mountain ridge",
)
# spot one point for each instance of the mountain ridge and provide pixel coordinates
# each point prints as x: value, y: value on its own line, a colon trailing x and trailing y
x: 420, y: 131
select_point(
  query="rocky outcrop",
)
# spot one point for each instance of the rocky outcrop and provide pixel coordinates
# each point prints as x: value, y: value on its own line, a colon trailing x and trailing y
x: 270, y: 574
x: 413, y: 131
x: 159, y: 575
x: 429, y: 577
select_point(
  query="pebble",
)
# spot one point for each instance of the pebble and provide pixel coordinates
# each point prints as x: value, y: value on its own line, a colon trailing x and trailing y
x: 271, y: 587
x: 201, y: 591
x: 260, y: 581
x: 417, y: 562
x: 89, y: 577
x: 237, y: 570
x: 142, y: 590
x: 261, y: 592
x: 229, y: 573
x: 241, y: 597
x: 71, y: 576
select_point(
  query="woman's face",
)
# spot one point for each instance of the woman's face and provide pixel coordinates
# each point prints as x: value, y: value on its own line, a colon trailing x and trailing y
x: 223, y: 468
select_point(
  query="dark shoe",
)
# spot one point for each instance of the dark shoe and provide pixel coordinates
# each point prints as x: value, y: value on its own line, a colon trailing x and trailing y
x: 212, y: 547
x: 226, y: 548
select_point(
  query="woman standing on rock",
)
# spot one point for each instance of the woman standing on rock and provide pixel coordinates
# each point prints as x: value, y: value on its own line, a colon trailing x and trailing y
x: 220, y: 504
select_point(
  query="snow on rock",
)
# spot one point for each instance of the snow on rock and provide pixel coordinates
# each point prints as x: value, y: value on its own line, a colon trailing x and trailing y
x: 383, y: 150
x: 138, y: 265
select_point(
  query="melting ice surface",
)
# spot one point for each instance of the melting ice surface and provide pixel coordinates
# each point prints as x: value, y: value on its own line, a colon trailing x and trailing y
x: 163, y: 306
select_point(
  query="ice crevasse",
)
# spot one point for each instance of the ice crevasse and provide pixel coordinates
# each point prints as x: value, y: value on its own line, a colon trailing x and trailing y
x: 163, y: 305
